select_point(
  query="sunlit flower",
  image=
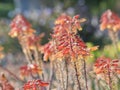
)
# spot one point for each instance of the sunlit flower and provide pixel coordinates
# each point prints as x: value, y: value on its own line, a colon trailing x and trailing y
x: 29, y: 69
x: 35, y: 85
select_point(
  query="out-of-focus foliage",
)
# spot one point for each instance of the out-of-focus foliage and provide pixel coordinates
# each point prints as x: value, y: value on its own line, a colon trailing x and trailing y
x: 5, y: 8
x: 98, y: 6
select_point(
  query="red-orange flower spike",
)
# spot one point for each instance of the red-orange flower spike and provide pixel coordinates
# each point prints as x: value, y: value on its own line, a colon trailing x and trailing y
x: 69, y: 24
x: 29, y: 69
x: 103, y: 65
x: 110, y: 20
x: 35, y: 85
x: 20, y: 25
x: 65, y: 42
x: 69, y: 44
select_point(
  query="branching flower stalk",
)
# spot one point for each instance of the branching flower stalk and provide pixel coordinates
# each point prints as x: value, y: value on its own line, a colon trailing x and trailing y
x: 111, y: 22
x: 77, y: 76
x: 75, y: 63
x: 30, y: 43
x: 65, y: 50
x: 20, y: 28
x: 64, y: 45
x: 67, y: 44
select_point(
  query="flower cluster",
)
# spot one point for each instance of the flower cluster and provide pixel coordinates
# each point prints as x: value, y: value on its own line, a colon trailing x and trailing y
x: 21, y: 29
x: 20, y: 26
x: 66, y: 45
x: 105, y: 69
x: 103, y: 65
x: 110, y: 20
x: 29, y: 41
x: 35, y: 85
x: 65, y: 42
x: 27, y: 70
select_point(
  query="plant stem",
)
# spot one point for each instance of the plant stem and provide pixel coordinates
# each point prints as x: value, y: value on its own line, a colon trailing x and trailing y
x: 62, y: 77
x: 98, y: 82
x: 36, y: 56
x: 84, y: 64
x: 38, y: 61
x: 25, y: 49
x: 66, y: 66
x: 79, y: 85
x: 114, y: 37
x: 26, y: 55
x: 29, y: 53
x: 110, y: 81
x: 51, y: 75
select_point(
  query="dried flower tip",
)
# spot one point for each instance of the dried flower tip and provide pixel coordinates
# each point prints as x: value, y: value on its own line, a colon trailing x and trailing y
x: 94, y: 48
x: 83, y: 20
